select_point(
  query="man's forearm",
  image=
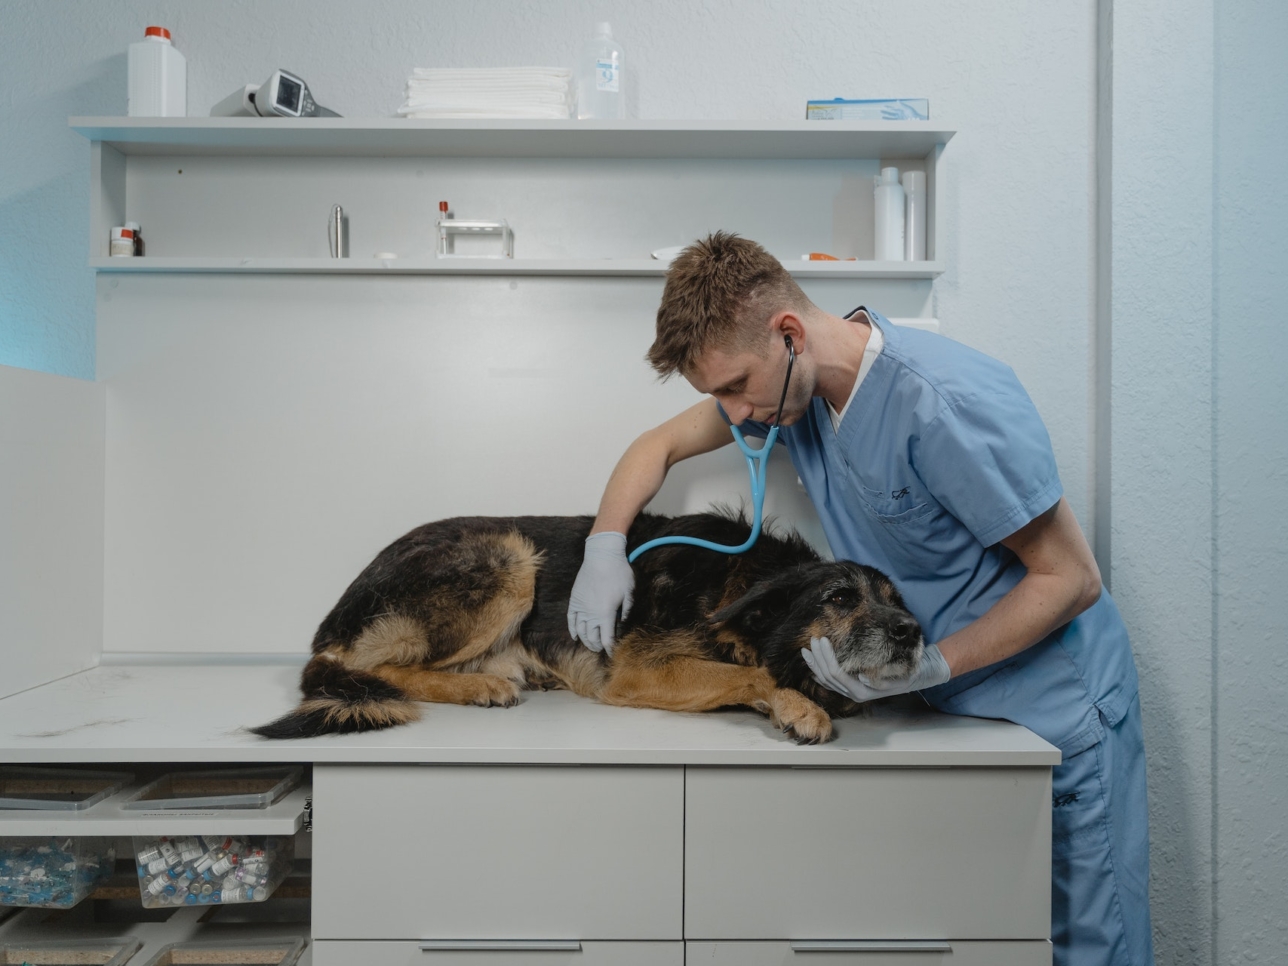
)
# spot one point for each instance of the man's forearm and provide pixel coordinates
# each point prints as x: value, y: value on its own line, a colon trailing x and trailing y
x: 635, y: 480
x: 1061, y: 581
x: 641, y: 471
x: 1032, y: 609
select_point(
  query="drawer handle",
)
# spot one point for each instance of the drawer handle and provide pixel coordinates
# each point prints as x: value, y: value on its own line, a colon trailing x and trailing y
x: 871, y: 946
x: 501, y: 945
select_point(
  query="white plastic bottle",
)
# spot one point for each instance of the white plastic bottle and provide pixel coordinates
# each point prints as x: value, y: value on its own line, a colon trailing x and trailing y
x: 158, y: 77
x: 889, y: 212
x: 601, y: 88
x: 914, y: 228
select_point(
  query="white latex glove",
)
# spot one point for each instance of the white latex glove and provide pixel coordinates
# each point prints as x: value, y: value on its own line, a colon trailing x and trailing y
x: 821, y: 659
x: 604, y: 583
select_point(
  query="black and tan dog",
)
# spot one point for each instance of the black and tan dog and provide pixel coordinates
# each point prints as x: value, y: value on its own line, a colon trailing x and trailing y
x: 473, y: 610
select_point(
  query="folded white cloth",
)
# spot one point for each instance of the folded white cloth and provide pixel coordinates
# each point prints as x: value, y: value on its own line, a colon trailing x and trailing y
x: 500, y: 92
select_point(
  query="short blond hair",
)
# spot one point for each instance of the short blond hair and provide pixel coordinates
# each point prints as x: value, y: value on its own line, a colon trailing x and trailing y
x: 720, y: 292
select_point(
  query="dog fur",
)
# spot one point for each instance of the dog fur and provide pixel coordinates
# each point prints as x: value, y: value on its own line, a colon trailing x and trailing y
x: 472, y: 610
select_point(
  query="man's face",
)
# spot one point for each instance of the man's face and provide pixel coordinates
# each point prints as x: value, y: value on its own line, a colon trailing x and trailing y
x: 748, y: 386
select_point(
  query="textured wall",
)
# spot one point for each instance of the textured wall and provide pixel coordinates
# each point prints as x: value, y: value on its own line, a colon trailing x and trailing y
x: 1161, y: 462
x: 1251, y: 528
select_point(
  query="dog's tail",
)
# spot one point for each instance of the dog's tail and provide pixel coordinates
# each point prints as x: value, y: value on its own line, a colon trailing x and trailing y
x: 339, y: 700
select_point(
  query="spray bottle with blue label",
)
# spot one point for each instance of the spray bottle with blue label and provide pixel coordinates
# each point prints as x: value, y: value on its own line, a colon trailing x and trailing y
x: 601, y: 88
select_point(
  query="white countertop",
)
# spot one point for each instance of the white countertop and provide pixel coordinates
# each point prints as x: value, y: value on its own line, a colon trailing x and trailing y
x: 151, y: 713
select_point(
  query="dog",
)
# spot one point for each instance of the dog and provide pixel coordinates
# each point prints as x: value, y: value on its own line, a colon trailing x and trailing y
x: 472, y: 610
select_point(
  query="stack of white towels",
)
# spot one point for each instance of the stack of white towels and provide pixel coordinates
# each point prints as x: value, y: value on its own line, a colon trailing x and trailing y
x: 496, y: 92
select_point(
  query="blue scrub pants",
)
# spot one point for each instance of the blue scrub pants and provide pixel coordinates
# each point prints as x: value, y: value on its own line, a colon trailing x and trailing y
x: 1100, y: 852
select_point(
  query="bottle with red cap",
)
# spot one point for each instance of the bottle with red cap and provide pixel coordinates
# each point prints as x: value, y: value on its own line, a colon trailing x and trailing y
x: 158, y: 77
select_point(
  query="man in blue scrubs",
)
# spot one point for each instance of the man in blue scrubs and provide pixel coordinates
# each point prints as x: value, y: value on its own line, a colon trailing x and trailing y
x: 926, y: 460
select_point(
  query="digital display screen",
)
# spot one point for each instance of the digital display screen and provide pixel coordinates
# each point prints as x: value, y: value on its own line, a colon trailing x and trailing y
x: 288, y: 95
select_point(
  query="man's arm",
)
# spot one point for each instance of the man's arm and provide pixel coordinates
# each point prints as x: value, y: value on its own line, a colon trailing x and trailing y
x: 605, y: 581
x: 640, y: 472
x: 1062, y: 582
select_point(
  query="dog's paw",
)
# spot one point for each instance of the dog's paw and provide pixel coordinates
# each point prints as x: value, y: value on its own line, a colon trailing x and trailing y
x: 799, y: 718
x: 491, y: 691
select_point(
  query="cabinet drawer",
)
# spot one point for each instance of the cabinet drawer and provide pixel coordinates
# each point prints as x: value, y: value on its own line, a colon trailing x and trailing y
x: 497, y: 852
x: 889, y: 853
x: 328, y: 952
x: 906, y: 953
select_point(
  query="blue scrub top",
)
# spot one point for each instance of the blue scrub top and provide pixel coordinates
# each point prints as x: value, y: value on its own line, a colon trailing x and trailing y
x: 940, y: 455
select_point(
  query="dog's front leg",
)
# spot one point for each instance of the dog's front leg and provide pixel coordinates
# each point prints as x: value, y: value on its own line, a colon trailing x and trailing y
x: 684, y: 683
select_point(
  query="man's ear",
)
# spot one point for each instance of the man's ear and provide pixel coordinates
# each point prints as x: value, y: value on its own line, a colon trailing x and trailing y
x: 788, y: 322
x: 767, y: 599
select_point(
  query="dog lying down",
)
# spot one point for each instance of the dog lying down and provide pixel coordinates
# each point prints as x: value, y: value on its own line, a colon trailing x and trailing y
x: 473, y: 610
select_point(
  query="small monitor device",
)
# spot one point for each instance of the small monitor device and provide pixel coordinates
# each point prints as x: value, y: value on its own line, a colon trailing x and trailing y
x: 283, y: 95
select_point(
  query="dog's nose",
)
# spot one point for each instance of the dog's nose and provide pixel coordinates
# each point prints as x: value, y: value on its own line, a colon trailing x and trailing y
x: 905, y: 631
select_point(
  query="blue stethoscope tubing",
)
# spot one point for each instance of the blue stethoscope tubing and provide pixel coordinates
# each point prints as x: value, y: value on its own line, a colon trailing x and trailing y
x: 757, y: 468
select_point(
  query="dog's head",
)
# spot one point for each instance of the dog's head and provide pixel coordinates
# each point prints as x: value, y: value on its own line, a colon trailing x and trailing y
x: 856, y: 607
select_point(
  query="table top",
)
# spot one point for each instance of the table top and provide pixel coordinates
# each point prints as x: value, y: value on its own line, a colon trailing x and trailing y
x: 169, y: 713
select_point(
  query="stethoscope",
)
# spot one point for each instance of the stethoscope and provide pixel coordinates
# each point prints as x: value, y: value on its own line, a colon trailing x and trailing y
x: 757, y: 467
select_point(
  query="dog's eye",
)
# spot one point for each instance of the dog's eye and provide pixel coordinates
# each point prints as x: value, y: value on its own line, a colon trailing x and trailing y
x: 841, y: 598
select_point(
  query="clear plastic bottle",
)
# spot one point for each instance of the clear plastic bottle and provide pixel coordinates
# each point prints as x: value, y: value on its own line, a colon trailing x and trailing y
x: 158, y: 77
x: 914, y: 227
x: 888, y: 204
x: 601, y: 88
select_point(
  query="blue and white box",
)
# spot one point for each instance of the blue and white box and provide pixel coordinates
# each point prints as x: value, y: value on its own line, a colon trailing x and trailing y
x: 875, y: 109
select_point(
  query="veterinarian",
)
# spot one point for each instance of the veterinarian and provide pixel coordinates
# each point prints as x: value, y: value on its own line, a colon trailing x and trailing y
x: 926, y: 460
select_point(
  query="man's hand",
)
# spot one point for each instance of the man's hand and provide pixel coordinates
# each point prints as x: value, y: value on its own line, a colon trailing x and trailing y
x: 821, y: 659
x: 604, y: 583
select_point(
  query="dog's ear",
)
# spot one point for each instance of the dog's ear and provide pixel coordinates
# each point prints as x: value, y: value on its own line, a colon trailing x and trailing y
x: 765, y: 601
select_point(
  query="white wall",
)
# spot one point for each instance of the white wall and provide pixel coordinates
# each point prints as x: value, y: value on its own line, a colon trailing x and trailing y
x: 51, y: 528
x: 1017, y: 231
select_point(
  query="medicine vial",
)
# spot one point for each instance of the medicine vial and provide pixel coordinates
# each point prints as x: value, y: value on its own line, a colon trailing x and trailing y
x: 158, y: 77
x: 601, y: 89
x: 138, y: 236
x: 914, y: 228
x: 122, y: 243
x: 889, y: 214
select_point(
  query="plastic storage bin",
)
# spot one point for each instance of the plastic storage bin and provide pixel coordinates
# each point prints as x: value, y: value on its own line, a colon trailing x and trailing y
x: 211, y: 869
x: 53, y: 872
x: 267, y: 952
x: 220, y: 788
x: 104, y: 952
x: 24, y: 786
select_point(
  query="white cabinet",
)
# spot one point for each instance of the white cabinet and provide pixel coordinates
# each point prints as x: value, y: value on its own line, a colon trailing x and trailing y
x: 868, y: 853
x: 567, y: 832
x: 904, y: 953
x: 340, y: 953
x: 750, y: 865
x: 506, y: 853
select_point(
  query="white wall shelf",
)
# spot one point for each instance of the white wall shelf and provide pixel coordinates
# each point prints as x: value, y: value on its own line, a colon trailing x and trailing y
x: 608, y: 267
x: 395, y: 137
x: 585, y: 198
